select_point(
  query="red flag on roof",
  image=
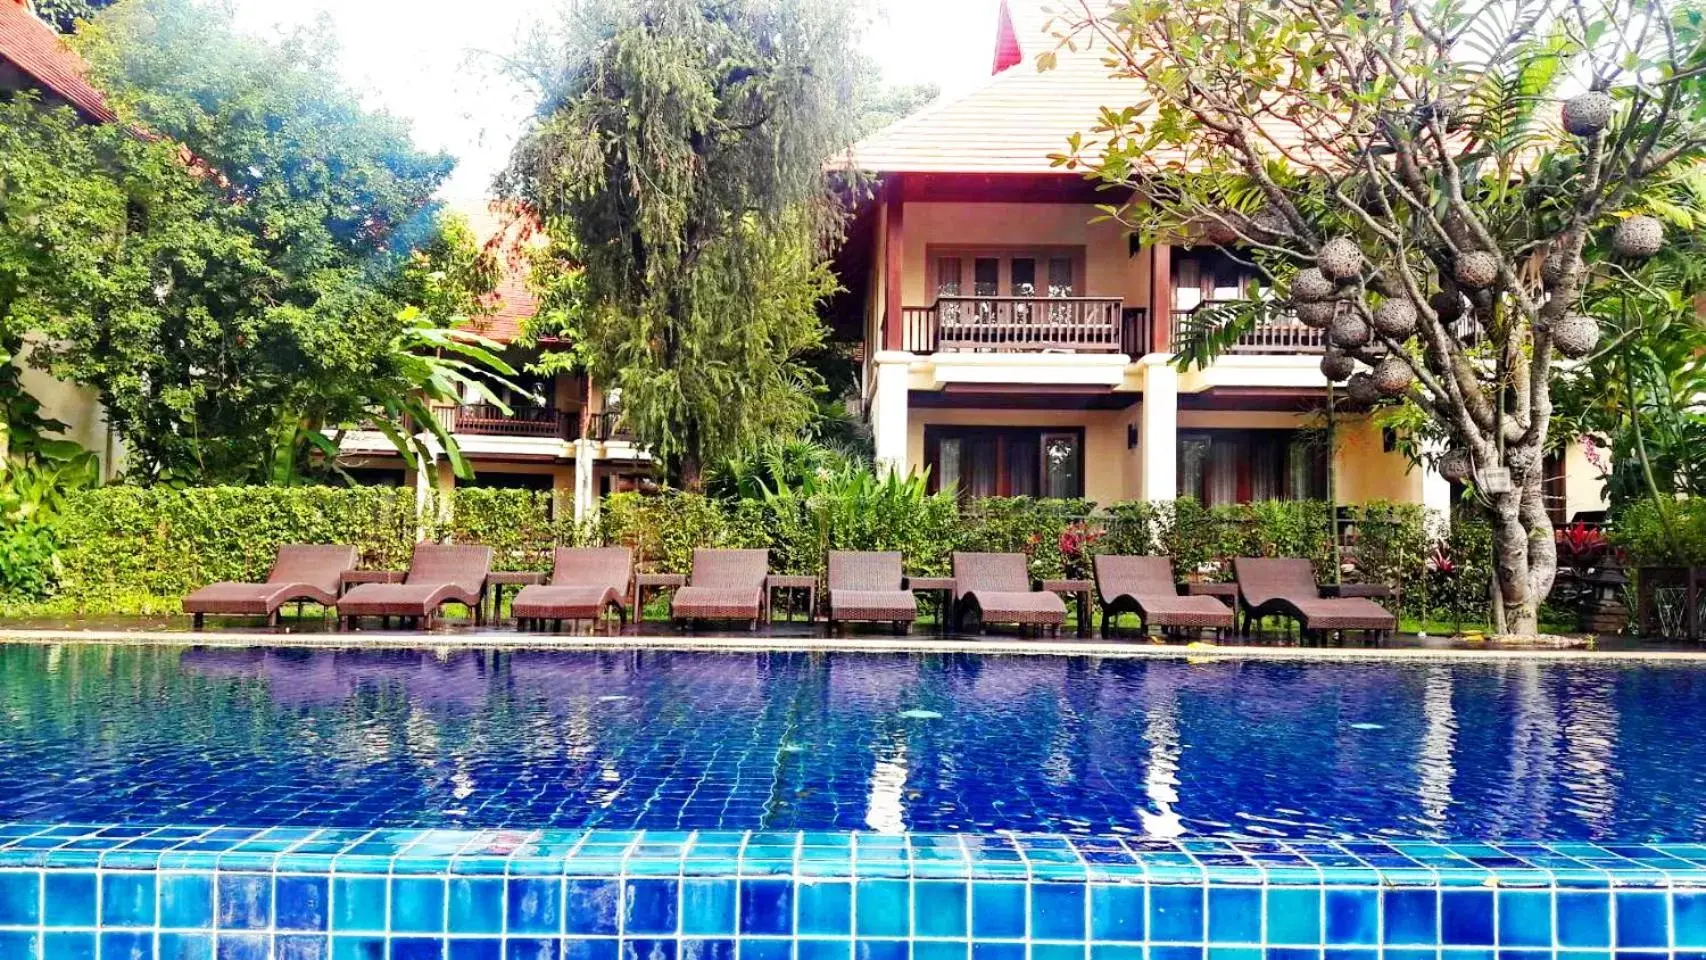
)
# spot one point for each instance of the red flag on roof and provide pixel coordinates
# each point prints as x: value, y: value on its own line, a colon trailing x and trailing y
x: 1007, y: 51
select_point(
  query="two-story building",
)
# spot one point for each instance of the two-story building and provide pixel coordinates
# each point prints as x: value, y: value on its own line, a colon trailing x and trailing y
x: 1018, y: 342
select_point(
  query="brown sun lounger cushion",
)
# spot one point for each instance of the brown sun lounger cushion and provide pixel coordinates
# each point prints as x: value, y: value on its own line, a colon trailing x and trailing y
x: 439, y: 573
x: 585, y: 583
x: 1269, y: 586
x: 311, y: 572
x: 724, y: 585
x: 1144, y: 585
x: 869, y: 586
x: 998, y: 586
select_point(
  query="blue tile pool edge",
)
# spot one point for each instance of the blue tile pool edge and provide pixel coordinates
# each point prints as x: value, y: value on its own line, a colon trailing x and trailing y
x: 289, y: 892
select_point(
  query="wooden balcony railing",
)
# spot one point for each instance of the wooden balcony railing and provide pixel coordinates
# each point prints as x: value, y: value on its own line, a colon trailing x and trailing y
x: 485, y: 420
x: 608, y: 426
x: 1283, y: 335
x: 1023, y: 325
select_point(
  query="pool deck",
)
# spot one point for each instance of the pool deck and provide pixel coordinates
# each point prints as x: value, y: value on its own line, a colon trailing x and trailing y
x: 799, y: 637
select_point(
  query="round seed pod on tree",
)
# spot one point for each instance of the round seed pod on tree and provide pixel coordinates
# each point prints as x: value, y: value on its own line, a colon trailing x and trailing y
x: 1552, y: 268
x: 1361, y: 389
x: 1575, y: 335
x: 1395, y: 319
x: 1393, y: 377
x: 1456, y: 465
x: 1476, y: 269
x: 1349, y: 331
x: 1337, y: 366
x: 1269, y: 223
x: 1340, y: 259
x: 1316, y: 314
x: 1638, y: 236
x: 1447, y: 305
x: 1221, y: 228
x: 1588, y: 113
x: 1311, y: 285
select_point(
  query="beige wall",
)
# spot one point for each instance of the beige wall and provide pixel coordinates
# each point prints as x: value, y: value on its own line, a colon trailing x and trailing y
x: 1584, y: 483
x: 79, y: 408
x: 1110, y: 270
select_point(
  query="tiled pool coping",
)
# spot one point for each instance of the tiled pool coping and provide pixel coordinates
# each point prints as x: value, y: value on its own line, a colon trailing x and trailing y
x: 170, y: 892
x: 790, y: 642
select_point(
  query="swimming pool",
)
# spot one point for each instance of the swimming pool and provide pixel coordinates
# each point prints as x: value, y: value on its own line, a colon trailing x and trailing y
x: 652, y: 804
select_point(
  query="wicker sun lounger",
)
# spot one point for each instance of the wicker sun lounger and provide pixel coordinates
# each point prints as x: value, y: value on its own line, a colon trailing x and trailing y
x: 997, y: 588
x: 1287, y: 588
x: 586, y: 584
x: 724, y: 585
x: 869, y: 588
x: 1144, y: 586
x: 301, y: 572
x: 440, y: 573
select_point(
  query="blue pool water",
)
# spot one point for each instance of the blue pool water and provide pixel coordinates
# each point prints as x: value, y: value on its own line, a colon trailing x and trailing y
x: 680, y: 741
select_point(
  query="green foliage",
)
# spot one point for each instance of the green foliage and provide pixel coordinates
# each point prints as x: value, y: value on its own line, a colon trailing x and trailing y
x: 249, y: 281
x: 664, y: 530
x: 678, y: 157
x: 1021, y: 525
x: 1662, y: 533
x: 521, y: 526
x: 64, y: 15
x: 119, y: 542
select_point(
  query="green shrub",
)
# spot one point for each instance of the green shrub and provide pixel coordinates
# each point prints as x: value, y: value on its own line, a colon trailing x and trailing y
x: 1671, y: 535
x: 131, y: 549
x: 165, y: 542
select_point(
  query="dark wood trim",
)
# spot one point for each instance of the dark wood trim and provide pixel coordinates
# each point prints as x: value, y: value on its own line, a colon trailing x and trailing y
x: 1266, y: 399
x: 1060, y: 187
x: 998, y: 396
x: 894, y: 239
x: 1160, y: 298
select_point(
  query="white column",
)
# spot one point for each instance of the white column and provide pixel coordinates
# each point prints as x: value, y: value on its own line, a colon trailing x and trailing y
x: 1436, y: 490
x: 888, y: 410
x: 586, y: 462
x: 1158, y: 445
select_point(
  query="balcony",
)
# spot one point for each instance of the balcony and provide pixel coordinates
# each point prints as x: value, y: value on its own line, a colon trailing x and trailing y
x: 1090, y: 325
x: 1281, y: 336
x: 485, y: 420
x: 608, y: 426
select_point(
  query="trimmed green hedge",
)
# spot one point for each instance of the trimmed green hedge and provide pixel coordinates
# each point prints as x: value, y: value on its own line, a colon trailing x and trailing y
x: 138, y: 550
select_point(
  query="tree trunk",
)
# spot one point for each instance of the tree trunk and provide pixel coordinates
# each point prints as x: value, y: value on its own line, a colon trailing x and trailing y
x: 1525, y: 555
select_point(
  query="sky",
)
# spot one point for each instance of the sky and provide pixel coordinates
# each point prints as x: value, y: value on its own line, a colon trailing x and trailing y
x: 437, y: 63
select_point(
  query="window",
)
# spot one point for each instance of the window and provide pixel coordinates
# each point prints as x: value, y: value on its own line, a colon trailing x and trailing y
x: 1050, y: 272
x: 1243, y: 466
x: 1203, y: 275
x: 1006, y: 461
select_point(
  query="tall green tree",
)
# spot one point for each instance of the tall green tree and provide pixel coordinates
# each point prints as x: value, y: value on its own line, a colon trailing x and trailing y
x: 1423, y: 180
x: 678, y: 158
x: 265, y: 250
x: 64, y: 15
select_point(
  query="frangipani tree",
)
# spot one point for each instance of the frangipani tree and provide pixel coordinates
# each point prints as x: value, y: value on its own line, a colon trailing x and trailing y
x: 1433, y: 182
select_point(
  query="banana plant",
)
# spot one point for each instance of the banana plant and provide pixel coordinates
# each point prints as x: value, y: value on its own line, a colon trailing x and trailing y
x: 425, y: 365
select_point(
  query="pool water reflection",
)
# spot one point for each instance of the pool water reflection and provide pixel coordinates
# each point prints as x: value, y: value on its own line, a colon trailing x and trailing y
x: 667, y: 740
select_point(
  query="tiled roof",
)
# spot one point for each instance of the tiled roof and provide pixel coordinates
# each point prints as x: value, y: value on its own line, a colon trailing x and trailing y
x: 1011, y: 123
x: 42, y: 54
x: 509, y: 235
